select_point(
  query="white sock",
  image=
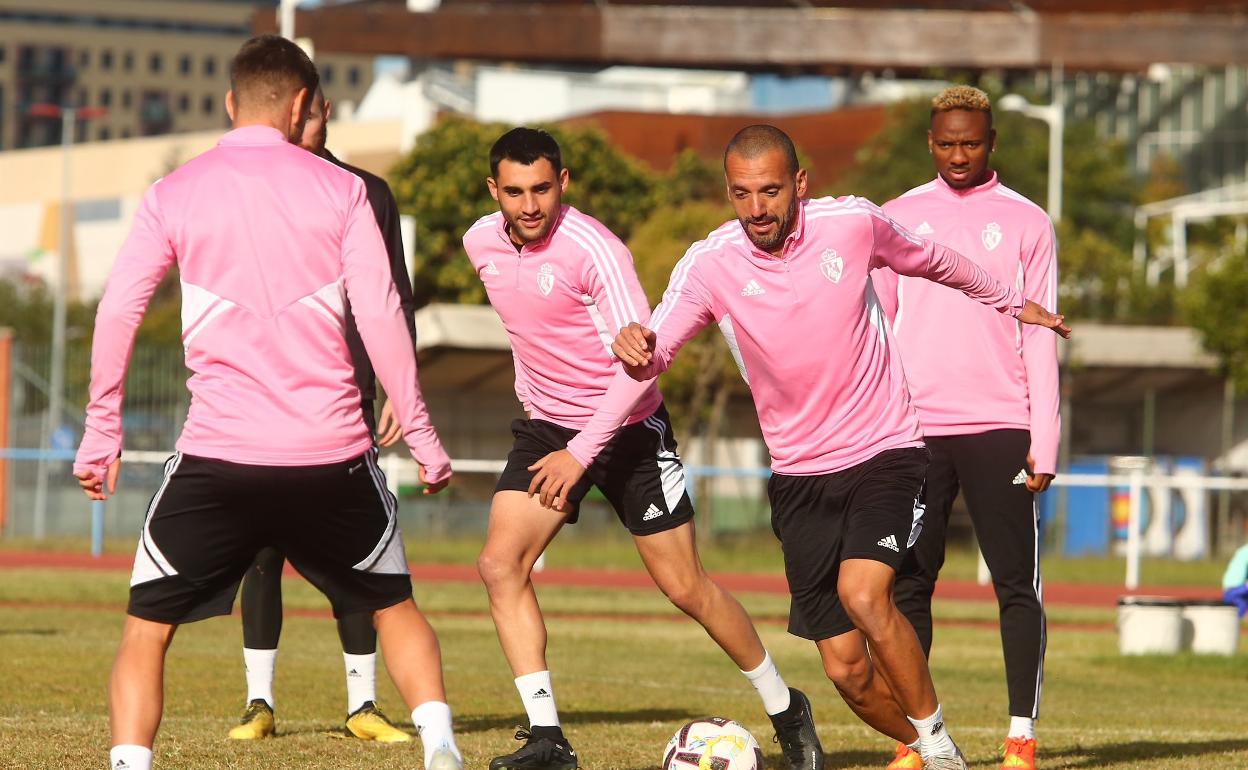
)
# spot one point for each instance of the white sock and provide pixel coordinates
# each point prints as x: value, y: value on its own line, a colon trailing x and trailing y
x: 361, y: 679
x: 433, y: 721
x: 770, y: 685
x: 934, y: 739
x: 1022, y: 727
x: 130, y: 757
x: 259, y: 665
x: 538, y: 698
x: 914, y: 746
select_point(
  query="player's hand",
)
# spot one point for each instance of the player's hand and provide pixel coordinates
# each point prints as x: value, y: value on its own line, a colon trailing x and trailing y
x: 388, y: 429
x: 94, y: 488
x: 1037, y: 482
x: 432, y: 488
x: 634, y: 345
x: 554, y: 476
x: 1035, y: 314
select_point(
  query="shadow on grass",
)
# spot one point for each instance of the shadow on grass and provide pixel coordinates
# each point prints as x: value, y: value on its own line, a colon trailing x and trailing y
x: 573, y: 718
x: 29, y: 632
x: 1115, y: 754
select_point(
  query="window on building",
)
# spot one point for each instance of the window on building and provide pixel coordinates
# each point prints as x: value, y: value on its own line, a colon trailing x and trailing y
x: 208, y: 104
x: 83, y: 99
x: 155, y: 62
x: 127, y: 62
x: 210, y: 66
x: 353, y: 76
x: 125, y: 133
x: 327, y: 74
x: 184, y: 64
x: 2, y: 54
x: 106, y: 60
x: 106, y: 97
x: 184, y: 103
x: 155, y: 116
x: 105, y: 134
x: 126, y: 99
x: 84, y: 59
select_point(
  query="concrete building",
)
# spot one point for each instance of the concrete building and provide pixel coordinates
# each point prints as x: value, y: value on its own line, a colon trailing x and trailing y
x: 156, y: 66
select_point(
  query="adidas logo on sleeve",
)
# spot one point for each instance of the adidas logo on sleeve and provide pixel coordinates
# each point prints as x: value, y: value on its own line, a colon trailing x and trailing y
x: 890, y: 543
x: 490, y: 268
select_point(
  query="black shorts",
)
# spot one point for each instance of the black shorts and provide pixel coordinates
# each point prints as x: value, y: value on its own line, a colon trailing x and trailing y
x: 336, y: 523
x: 639, y: 471
x: 869, y: 511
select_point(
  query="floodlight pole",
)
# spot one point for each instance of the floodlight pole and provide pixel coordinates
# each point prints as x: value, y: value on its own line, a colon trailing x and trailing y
x: 286, y: 18
x: 56, y: 379
x: 1054, y: 114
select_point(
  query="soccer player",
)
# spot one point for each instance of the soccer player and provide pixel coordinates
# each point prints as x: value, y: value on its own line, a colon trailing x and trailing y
x: 274, y: 452
x: 985, y: 389
x: 789, y: 285
x: 262, y: 587
x: 560, y: 282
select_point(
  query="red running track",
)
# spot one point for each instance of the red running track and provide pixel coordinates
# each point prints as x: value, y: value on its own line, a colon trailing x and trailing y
x: 1076, y: 594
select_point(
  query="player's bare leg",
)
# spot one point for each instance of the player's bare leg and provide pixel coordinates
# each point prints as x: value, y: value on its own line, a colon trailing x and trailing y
x: 136, y: 688
x: 671, y: 557
x: 520, y: 529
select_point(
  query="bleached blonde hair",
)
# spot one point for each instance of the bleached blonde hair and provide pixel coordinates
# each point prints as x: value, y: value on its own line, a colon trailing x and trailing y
x: 962, y: 98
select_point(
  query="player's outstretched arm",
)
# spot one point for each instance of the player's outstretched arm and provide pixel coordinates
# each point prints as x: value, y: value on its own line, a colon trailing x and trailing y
x: 1033, y: 313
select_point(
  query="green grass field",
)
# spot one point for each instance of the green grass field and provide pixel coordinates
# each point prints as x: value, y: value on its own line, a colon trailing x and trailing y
x: 625, y: 683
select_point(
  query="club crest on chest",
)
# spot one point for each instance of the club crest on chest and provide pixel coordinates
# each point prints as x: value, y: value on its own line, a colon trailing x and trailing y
x: 831, y: 264
x: 545, y: 279
x: 991, y: 236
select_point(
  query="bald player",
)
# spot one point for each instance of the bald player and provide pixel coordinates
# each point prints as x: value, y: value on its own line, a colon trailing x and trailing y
x: 789, y: 284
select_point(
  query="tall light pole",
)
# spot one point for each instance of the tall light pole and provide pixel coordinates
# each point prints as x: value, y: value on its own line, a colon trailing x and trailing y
x: 56, y: 379
x: 1054, y: 114
x: 286, y: 19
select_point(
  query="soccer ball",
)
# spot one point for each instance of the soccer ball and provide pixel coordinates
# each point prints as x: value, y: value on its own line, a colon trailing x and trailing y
x: 712, y: 743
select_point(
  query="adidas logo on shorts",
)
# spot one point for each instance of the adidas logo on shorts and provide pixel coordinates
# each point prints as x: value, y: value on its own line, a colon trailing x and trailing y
x: 889, y: 542
x: 1021, y: 478
x: 752, y: 289
x: 653, y: 512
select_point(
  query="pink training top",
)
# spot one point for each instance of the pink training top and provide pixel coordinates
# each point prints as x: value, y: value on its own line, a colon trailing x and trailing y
x: 807, y: 330
x: 267, y: 237
x: 562, y: 300
x: 971, y: 370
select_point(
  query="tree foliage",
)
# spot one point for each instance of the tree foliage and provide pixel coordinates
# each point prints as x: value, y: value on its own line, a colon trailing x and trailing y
x: 704, y: 369
x: 442, y: 183
x: 1216, y: 304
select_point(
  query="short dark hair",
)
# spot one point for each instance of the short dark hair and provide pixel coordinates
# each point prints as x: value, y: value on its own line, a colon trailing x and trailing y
x: 753, y: 141
x: 268, y: 69
x: 525, y: 146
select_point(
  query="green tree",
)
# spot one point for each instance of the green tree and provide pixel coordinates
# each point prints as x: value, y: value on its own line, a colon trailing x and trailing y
x: 1216, y: 304
x: 701, y: 379
x: 442, y: 183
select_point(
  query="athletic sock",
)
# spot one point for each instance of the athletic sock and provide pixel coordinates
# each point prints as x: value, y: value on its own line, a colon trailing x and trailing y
x: 538, y: 698
x: 361, y: 679
x: 130, y: 757
x: 433, y: 721
x: 259, y: 665
x: 770, y: 686
x: 914, y: 746
x: 934, y: 739
x: 1022, y: 727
